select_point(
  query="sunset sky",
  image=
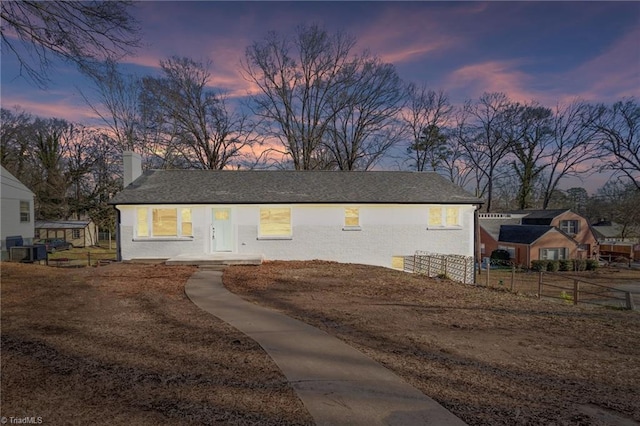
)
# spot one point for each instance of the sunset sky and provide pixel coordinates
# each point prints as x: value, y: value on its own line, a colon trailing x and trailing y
x: 546, y: 51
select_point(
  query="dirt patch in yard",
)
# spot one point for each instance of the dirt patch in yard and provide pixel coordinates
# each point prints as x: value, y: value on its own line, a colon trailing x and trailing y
x: 491, y: 357
x: 122, y: 344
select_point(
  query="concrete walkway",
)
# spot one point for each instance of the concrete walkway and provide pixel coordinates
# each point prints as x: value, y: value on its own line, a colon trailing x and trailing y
x: 337, y: 384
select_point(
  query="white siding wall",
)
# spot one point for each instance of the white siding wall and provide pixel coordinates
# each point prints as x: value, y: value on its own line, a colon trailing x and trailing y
x: 386, y: 230
x: 12, y: 193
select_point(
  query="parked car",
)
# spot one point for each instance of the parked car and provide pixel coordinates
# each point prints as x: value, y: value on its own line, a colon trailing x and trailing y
x: 54, y: 244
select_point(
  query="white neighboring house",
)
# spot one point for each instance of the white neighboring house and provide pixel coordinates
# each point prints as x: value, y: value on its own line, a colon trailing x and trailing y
x: 357, y: 217
x: 17, y: 210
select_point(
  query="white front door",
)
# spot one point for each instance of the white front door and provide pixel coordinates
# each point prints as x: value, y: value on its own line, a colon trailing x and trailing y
x: 221, y: 230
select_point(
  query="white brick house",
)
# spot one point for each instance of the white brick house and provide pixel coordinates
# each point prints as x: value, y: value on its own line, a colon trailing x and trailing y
x: 357, y: 217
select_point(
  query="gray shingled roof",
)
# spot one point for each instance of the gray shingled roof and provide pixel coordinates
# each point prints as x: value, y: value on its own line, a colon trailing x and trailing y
x: 522, y: 234
x: 288, y: 186
x: 492, y: 226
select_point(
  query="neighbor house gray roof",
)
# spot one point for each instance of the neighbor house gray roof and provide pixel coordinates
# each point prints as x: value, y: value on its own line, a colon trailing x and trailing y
x: 288, y: 186
x: 61, y: 224
x: 522, y: 234
x: 492, y: 226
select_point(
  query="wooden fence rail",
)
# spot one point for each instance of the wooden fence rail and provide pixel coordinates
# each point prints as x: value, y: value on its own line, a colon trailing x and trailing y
x: 556, y: 285
x: 583, y: 291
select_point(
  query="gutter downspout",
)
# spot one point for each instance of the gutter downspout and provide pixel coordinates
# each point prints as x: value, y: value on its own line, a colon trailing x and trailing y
x: 476, y: 244
x: 118, y: 236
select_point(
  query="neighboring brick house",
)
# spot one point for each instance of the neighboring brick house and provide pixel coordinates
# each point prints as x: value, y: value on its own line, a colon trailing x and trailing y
x: 526, y: 243
x: 538, y: 234
x: 358, y: 217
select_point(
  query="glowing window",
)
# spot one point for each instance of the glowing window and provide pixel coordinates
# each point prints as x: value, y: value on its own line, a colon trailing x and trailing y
x: 143, y: 225
x: 435, y: 216
x: 187, y: 225
x: 352, y: 216
x: 275, y: 222
x: 164, y: 222
x: 452, y: 216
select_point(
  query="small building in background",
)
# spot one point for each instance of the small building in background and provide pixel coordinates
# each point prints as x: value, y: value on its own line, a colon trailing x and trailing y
x: 80, y: 233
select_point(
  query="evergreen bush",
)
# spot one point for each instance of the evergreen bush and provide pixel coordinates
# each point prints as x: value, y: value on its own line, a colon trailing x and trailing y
x: 539, y: 265
x: 592, y: 264
x: 553, y: 265
x: 566, y: 265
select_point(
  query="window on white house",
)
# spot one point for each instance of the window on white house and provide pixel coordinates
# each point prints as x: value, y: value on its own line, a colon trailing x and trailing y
x: 444, y: 217
x: 453, y: 214
x: 275, y: 222
x: 570, y: 227
x: 351, y: 217
x: 187, y: 225
x: 163, y: 222
x: 142, y: 222
x: 435, y: 216
x: 25, y: 211
x: 75, y: 234
x: 554, y: 253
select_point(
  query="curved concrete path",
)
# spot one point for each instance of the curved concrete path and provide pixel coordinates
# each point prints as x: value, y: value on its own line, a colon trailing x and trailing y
x: 337, y: 384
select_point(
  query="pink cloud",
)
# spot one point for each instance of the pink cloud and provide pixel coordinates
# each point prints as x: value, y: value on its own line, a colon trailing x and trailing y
x: 62, y: 108
x: 492, y: 76
x: 400, y: 36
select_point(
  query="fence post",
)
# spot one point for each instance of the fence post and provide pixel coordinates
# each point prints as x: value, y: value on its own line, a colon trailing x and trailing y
x: 629, y: 300
x: 88, y: 258
x: 465, y: 272
x: 539, y: 284
x: 488, y: 268
x: 445, y: 266
x: 575, y: 291
x: 513, y: 276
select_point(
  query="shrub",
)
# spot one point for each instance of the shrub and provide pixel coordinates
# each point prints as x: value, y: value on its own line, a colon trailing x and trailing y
x: 592, y: 264
x: 539, y: 265
x: 580, y: 264
x: 553, y: 265
x: 500, y: 257
x: 566, y: 265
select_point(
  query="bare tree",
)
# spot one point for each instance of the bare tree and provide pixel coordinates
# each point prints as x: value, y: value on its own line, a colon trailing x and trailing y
x: 303, y: 82
x: 618, y: 201
x: 83, y: 33
x: 15, y: 139
x: 196, y: 120
x: 363, y: 125
x: 454, y: 164
x: 571, y: 146
x: 426, y: 116
x: 117, y: 105
x: 481, y: 131
x: 528, y: 129
x: 618, y: 130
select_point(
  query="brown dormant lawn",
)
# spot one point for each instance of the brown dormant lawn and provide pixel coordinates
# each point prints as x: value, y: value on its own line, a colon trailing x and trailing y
x: 491, y: 357
x: 123, y: 345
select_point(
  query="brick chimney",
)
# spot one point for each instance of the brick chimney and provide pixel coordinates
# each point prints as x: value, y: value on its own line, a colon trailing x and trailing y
x: 132, y: 166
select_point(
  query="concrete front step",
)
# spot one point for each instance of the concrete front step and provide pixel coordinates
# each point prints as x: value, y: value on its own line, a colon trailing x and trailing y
x: 216, y: 259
